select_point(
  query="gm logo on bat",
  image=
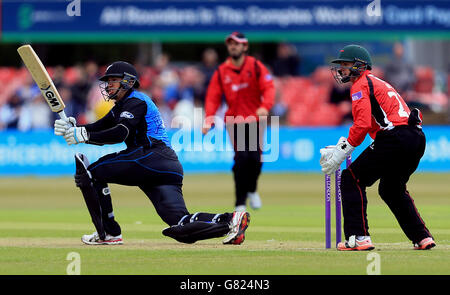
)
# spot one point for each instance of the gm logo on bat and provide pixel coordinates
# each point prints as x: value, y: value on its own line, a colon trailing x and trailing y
x: 50, y: 96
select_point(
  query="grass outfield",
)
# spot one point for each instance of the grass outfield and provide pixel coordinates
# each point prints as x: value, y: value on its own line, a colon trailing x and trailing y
x: 42, y: 220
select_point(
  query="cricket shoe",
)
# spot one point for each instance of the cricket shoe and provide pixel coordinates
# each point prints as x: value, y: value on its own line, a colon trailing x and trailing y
x: 355, y: 244
x: 254, y: 200
x: 94, y: 239
x: 239, y: 224
x: 425, y: 244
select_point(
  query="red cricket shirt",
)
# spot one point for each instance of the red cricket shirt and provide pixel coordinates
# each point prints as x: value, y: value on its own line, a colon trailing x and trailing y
x: 246, y: 88
x: 376, y: 106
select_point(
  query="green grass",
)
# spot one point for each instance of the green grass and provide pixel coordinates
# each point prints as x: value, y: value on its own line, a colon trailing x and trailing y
x: 42, y: 220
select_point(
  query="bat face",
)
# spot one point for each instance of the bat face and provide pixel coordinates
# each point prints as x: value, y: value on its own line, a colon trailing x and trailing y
x: 42, y: 78
x: 51, y: 97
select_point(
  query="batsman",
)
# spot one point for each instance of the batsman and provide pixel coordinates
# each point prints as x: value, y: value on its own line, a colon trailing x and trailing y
x: 148, y: 162
x: 398, y: 146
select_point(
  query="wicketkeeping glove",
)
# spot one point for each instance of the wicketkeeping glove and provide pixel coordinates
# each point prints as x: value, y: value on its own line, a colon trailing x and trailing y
x: 76, y: 135
x: 340, y: 152
x: 61, y: 126
x: 326, y: 153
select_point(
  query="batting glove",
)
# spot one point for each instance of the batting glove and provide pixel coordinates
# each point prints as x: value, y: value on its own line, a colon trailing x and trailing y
x: 61, y: 126
x: 76, y: 135
x: 340, y: 152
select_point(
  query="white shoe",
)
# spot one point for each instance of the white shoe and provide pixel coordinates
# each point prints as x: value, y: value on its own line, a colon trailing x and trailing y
x: 255, y: 200
x: 240, y: 208
x: 94, y: 239
x: 238, y: 225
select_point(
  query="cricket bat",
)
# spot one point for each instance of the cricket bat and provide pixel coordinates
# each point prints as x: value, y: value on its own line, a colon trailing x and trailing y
x: 42, y: 79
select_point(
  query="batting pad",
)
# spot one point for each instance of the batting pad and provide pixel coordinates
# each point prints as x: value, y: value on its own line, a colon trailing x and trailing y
x: 195, y: 231
x: 89, y: 193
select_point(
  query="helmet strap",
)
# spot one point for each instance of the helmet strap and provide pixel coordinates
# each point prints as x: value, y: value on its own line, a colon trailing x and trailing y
x: 345, y: 79
x: 114, y: 95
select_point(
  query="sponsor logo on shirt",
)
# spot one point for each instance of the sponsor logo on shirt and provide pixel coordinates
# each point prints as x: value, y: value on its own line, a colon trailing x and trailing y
x: 127, y: 115
x: 237, y: 87
x: 357, y: 95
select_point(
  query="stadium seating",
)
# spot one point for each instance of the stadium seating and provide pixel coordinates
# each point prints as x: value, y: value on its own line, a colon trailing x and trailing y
x: 424, y: 80
x: 306, y: 98
x: 425, y: 92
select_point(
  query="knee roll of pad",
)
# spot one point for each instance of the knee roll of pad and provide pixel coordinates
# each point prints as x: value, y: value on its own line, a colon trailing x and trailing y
x: 82, y: 180
x: 82, y: 175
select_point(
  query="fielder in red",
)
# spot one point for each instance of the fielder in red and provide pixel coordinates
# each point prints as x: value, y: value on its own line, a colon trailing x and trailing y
x: 249, y: 92
x: 394, y: 155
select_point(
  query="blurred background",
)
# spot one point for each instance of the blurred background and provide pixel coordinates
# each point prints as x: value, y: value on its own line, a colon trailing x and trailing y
x: 177, y: 45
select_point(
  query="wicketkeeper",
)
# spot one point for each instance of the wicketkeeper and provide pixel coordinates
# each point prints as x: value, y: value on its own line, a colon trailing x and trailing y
x: 398, y: 146
x: 148, y: 162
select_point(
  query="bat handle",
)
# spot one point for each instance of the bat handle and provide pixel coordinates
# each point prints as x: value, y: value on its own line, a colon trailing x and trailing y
x: 62, y: 115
